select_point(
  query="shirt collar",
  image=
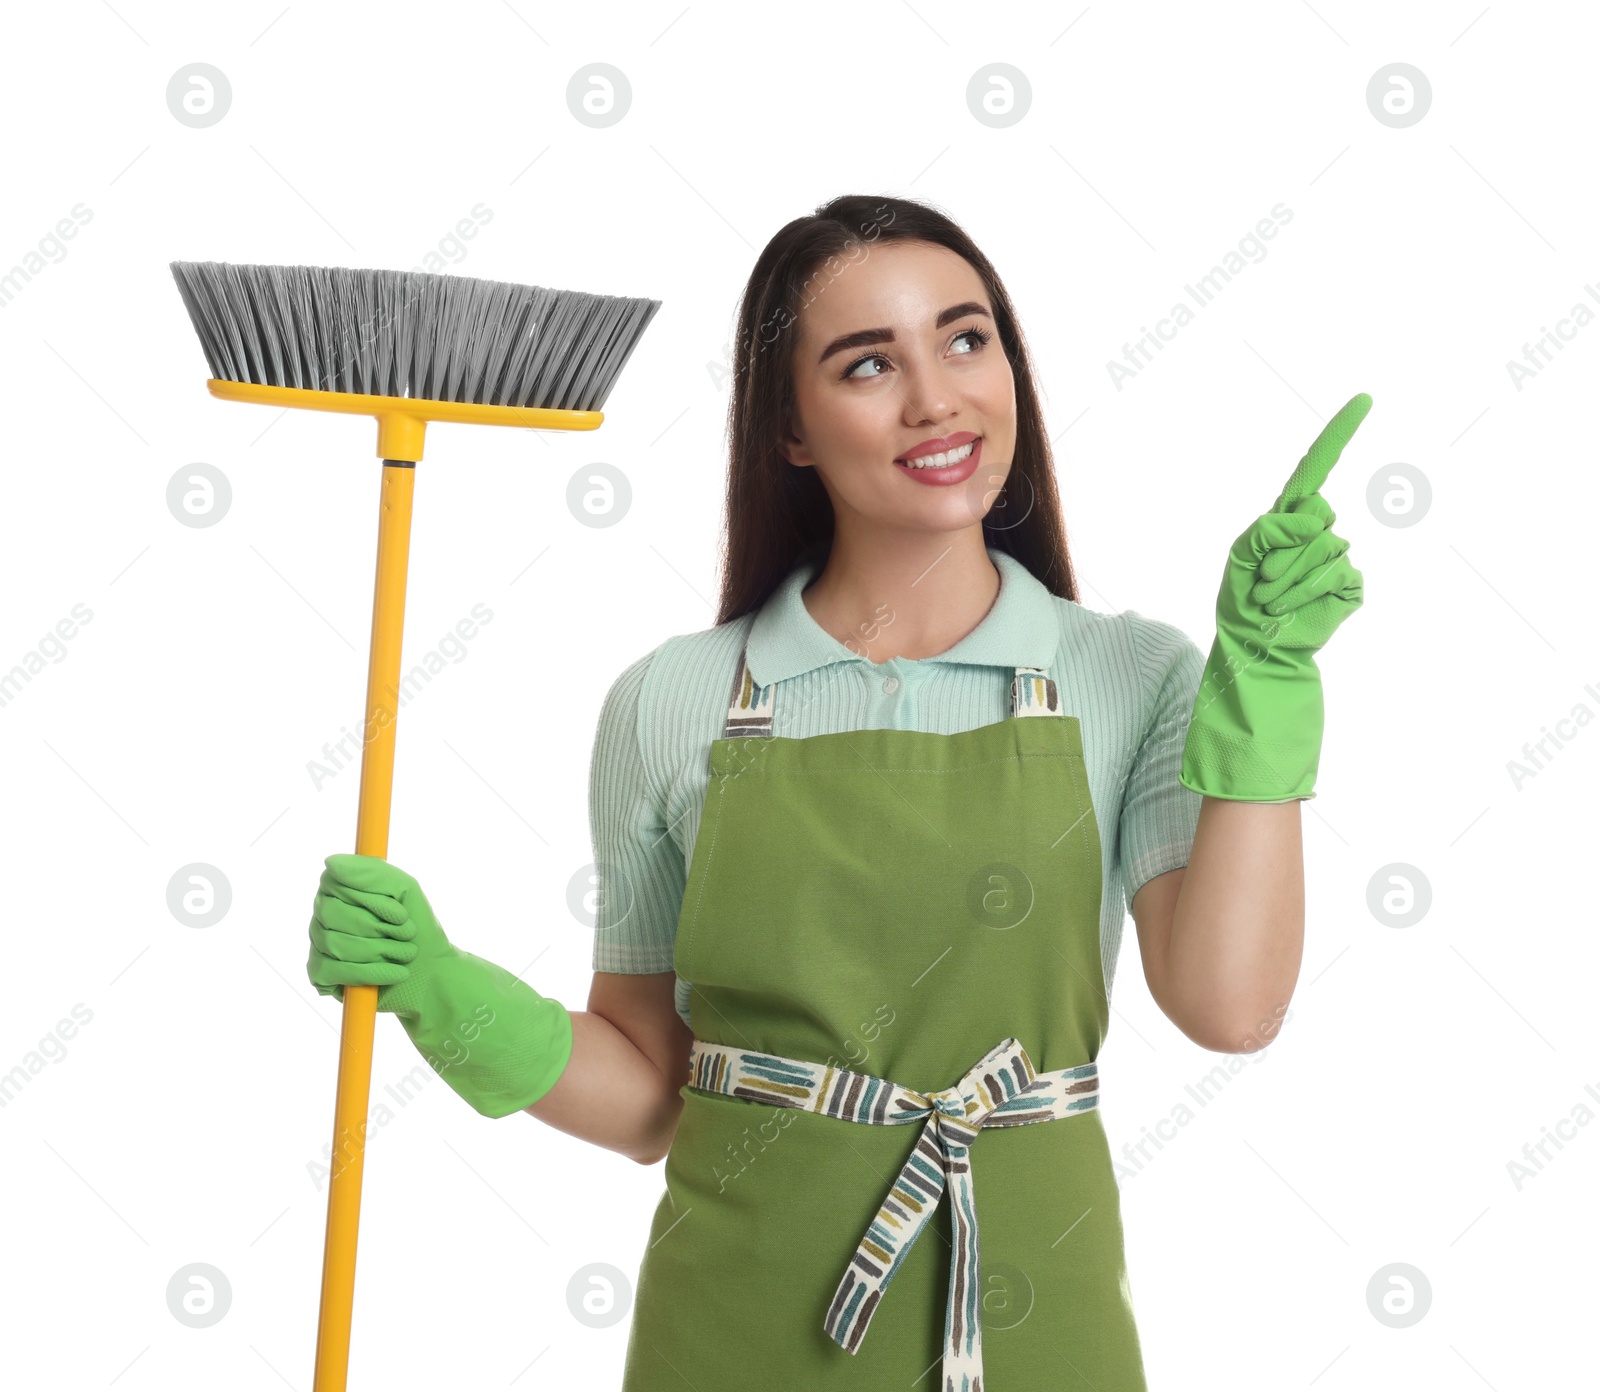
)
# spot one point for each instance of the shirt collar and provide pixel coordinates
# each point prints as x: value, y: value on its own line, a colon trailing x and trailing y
x: 1021, y: 628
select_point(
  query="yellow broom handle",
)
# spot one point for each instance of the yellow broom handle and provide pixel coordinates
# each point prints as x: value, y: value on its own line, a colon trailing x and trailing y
x: 361, y: 1002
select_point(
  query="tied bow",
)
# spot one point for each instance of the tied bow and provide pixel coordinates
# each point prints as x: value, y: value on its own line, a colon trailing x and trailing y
x: 939, y: 1159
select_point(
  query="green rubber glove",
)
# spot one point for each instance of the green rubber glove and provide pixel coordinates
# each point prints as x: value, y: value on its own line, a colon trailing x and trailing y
x: 1256, y: 731
x: 491, y: 1036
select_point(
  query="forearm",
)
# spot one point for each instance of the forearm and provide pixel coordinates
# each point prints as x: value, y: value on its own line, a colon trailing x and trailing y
x: 611, y: 1094
x: 1238, y: 926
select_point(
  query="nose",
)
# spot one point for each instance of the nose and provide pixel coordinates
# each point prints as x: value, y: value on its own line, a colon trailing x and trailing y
x: 927, y: 392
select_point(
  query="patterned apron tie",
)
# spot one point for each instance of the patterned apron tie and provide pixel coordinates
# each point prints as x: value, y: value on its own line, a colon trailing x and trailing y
x: 1002, y: 1089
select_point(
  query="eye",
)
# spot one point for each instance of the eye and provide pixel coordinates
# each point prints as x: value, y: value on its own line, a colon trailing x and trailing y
x: 980, y: 335
x: 850, y: 371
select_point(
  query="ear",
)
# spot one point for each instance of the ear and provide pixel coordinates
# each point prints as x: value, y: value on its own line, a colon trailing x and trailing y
x: 794, y: 449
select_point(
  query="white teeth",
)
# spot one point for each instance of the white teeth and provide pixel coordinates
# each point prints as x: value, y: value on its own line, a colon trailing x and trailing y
x: 940, y: 461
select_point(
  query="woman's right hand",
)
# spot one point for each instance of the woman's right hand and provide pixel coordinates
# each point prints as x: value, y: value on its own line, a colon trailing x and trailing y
x: 362, y: 931
x: 494, y: 1039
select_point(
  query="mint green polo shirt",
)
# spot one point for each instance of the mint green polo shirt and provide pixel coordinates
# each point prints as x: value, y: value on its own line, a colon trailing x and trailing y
x: 1130, y: 680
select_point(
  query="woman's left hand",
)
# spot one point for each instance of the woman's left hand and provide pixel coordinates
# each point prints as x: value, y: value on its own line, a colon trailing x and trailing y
x: 1256, y: 731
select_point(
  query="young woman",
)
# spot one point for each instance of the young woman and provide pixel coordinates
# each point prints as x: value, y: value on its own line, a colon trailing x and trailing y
x: 865, y: 848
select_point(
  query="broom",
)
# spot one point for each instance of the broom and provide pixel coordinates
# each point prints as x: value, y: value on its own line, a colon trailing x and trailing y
x: 406, y: 347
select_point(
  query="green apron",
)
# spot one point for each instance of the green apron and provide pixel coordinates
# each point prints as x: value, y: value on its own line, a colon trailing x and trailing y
x: 886, y: 927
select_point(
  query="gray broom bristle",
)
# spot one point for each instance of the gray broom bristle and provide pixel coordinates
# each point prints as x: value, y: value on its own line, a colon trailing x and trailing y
x: 411, y: 333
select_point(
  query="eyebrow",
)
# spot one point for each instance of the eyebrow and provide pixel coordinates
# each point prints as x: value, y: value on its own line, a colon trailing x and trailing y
x: 863, y: 337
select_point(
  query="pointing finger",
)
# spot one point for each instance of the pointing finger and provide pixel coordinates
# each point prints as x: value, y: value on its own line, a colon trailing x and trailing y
x: 1324, y: 452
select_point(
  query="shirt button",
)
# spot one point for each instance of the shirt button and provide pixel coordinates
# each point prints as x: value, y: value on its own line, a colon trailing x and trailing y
x: 891, y: 685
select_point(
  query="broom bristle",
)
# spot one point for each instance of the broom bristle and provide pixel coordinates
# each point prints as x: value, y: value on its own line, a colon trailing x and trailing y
x: 411, y: 333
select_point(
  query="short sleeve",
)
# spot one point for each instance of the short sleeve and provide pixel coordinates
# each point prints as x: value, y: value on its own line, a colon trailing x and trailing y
x: 639, y: 868
x: 1158, y: 818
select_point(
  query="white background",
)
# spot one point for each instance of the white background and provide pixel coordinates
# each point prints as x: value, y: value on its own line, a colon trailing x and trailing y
x: 177, y: 1126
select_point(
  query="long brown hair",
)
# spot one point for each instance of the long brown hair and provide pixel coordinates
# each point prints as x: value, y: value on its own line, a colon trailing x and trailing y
x: 776, y: 513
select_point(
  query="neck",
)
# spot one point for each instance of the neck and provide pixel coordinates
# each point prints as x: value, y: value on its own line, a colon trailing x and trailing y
x: 912, y: 596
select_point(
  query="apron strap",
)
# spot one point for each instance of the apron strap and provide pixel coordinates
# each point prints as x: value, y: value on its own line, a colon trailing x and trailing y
x: 750, y: 706
x: 1033, y: 692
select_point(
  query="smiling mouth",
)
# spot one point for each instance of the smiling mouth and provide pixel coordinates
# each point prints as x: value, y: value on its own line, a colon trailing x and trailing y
x: 942, y: 460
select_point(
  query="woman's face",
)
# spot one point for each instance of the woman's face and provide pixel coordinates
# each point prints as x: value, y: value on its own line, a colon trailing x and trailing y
x: 925, y: 375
